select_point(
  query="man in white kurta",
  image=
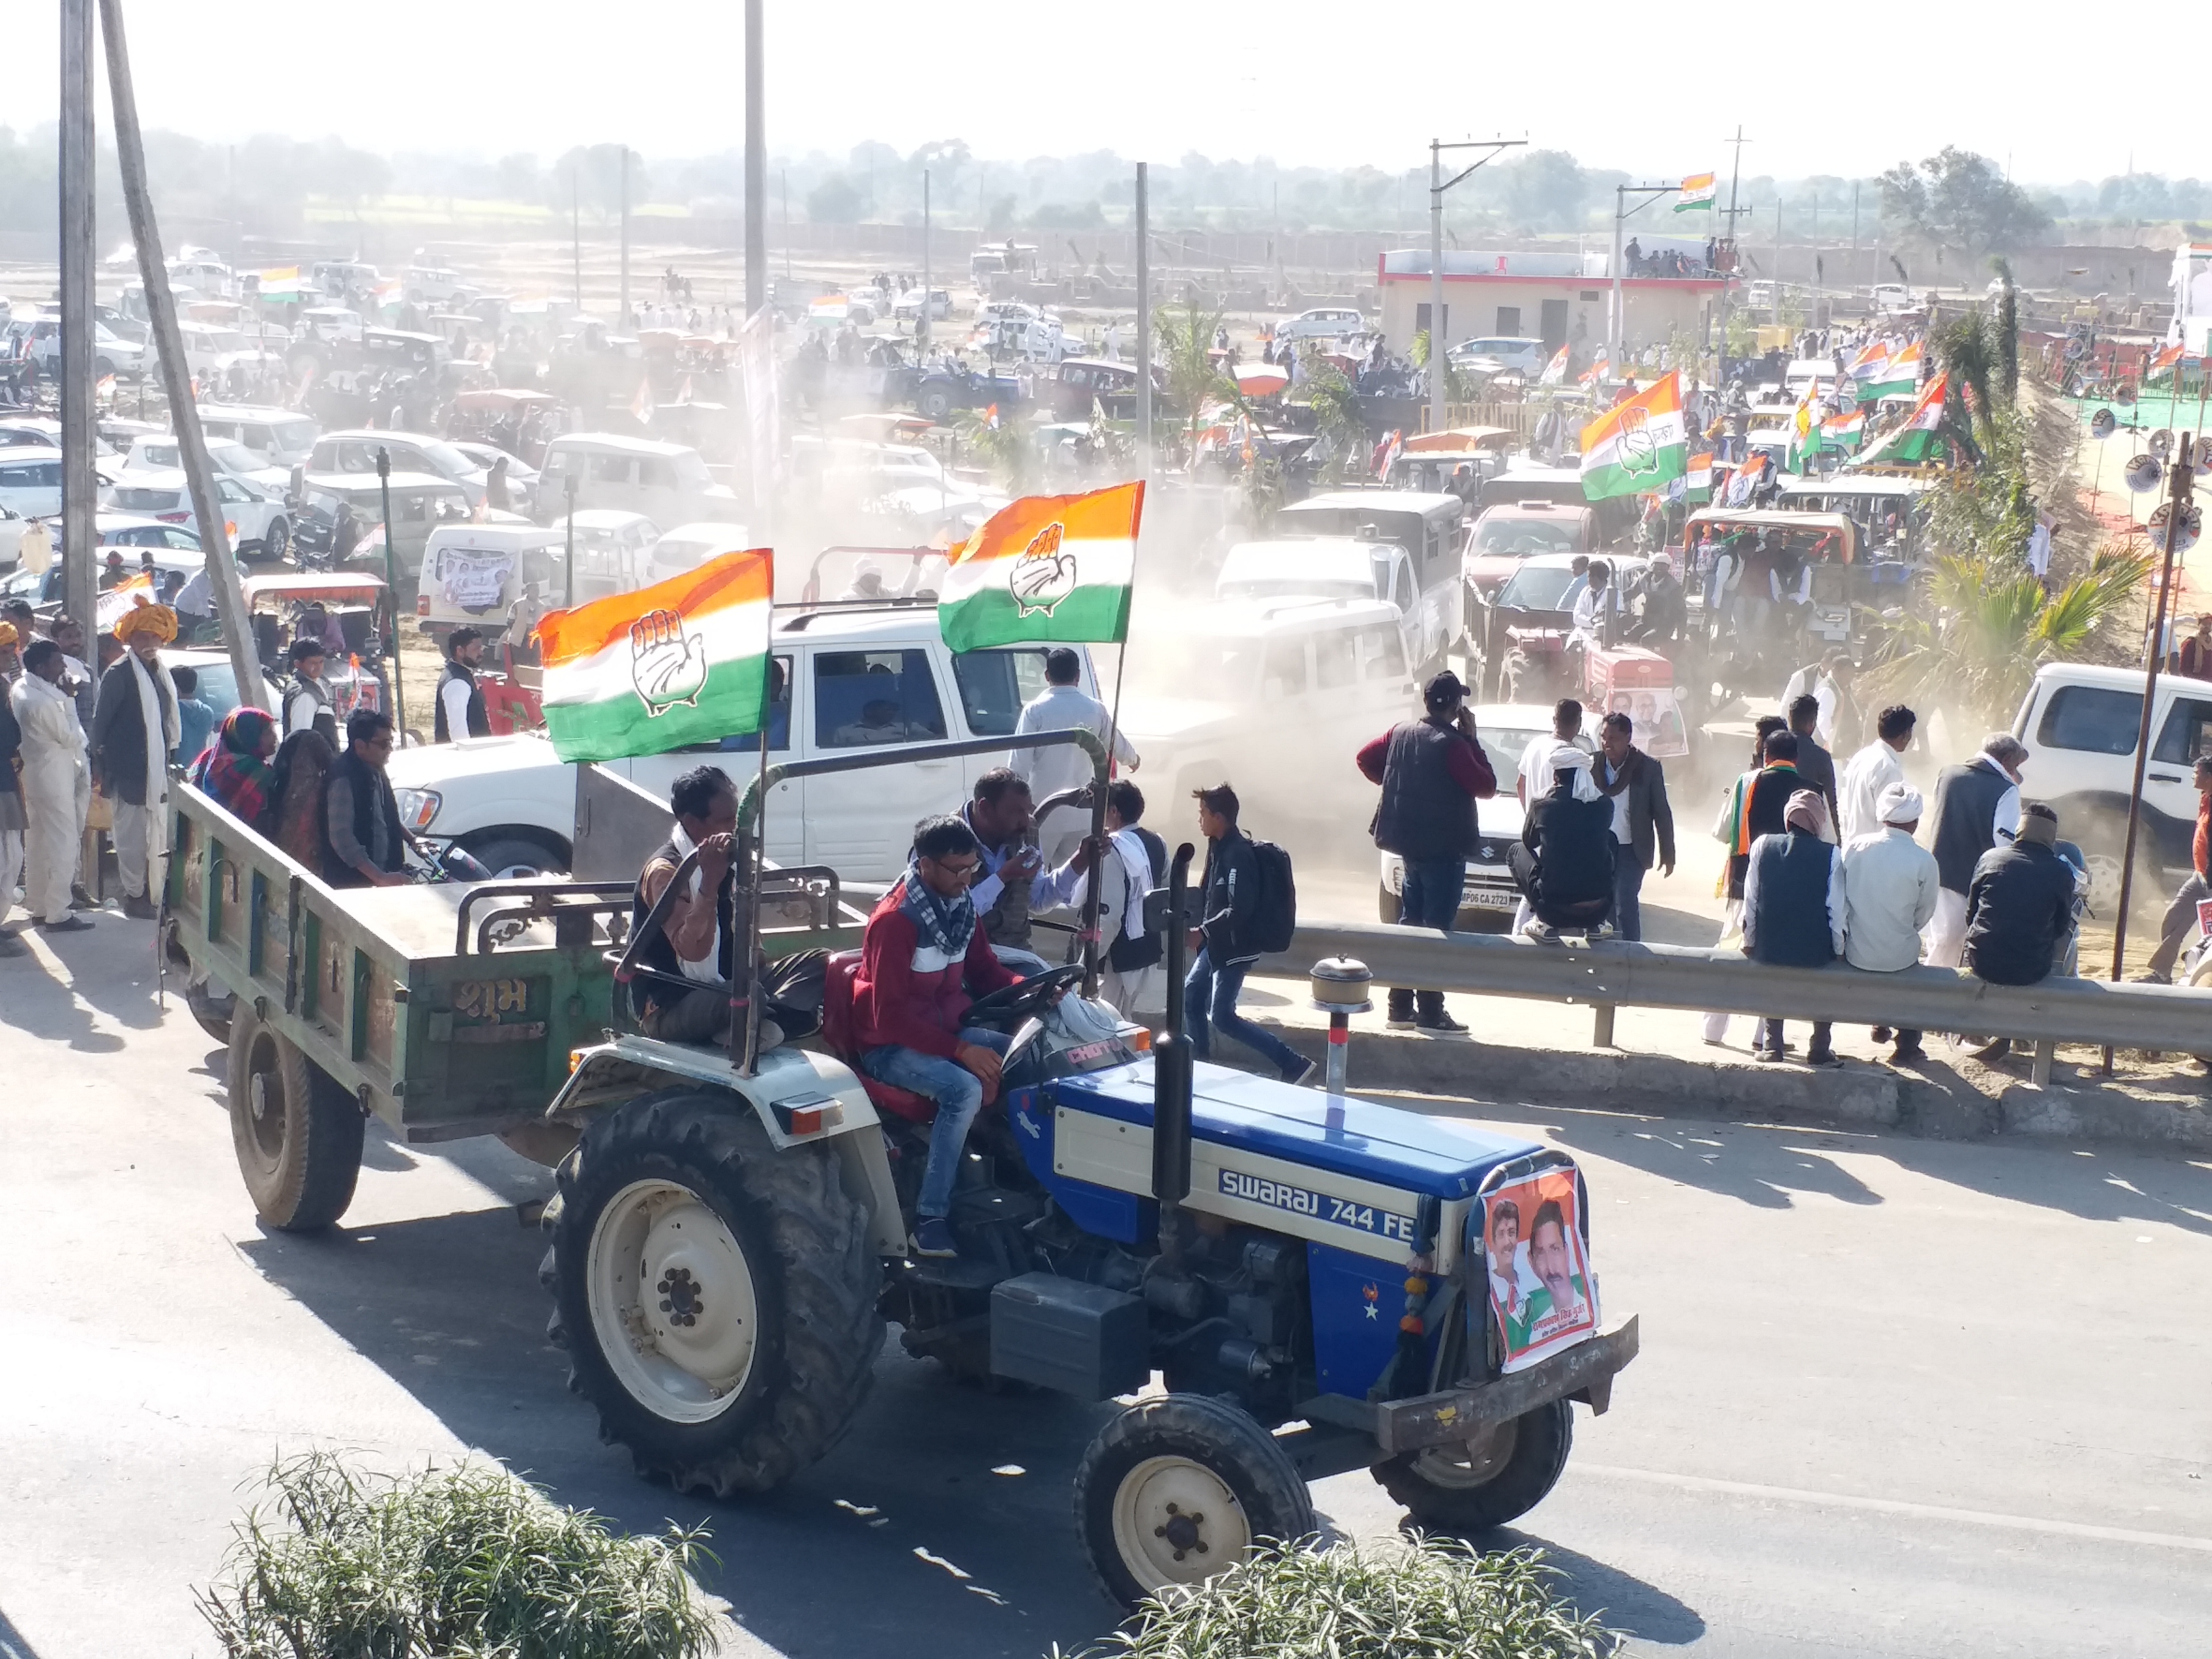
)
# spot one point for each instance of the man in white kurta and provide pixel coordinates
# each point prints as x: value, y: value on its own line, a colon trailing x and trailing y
x: 56, y: 787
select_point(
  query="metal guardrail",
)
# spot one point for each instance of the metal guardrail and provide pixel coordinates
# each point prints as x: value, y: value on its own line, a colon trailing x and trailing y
x: 2173, y: 1018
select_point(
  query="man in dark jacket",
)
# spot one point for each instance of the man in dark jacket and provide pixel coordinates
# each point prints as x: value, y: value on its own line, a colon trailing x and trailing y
x: 1814, y: 764
x: 696, y: 955
x: 1765, y: 803
x: 1976, y: 808
x: 1642, y: 821
x: 459, y: 710
x: 2020, y: 907
x: 1230, y: 897
x: 1563, y: 860
x: 1432, y: 771
x: 134, y: 724
x: 1793, y: 910
x: 924, y: 958
x: 12, y: 821
x: 361, y: 816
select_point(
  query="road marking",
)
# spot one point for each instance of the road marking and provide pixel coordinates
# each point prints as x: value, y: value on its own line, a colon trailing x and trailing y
x: 1897, y: 1506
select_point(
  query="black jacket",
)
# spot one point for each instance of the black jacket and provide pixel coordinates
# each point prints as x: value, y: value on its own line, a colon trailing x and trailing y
x: 1229, y: 892
x: 11, y: 744
x: 1818, y: 767
x: 1424, y: 813
x: 1966, y: 800
x: 479, y: 714
x: 1573, y: 844
x: 1786, y: 920
x: 1766, y: 801
x: 2020, y: 909
x: 117, y: 738
x: 1650, y: 818
x: 373, y: 800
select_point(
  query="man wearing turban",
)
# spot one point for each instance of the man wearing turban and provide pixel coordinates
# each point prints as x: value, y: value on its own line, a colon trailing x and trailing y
x: 134, y: 728
x: 1890, y: 883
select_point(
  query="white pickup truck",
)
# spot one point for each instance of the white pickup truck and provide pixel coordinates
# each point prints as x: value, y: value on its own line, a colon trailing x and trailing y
x: 856, y: 676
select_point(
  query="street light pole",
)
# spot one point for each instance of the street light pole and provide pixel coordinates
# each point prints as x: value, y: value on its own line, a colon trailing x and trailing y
x: 1617, y: 334
x: 1143, y: 322
x: 80, y: 555
x: 755, y: 164
x: 1438, y: 334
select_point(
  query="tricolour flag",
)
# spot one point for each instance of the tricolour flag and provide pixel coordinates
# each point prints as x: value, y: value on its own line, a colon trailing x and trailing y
x: 1698, y: 481
x: 1844, y: 427
x: 1698, y: 191
x: 1595, y: 372
x: 683, y: 661
x: 1046, y: 567
x: 1919, y: 441
x: 282, y: 284
x: 2161, y: 364
x: 1555, y: 372
x: 1638, y: 444
x: 1868, y: 364
x: 1898, y: 377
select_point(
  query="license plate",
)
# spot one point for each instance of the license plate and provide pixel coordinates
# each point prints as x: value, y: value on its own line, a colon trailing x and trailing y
x: 1484, y: 899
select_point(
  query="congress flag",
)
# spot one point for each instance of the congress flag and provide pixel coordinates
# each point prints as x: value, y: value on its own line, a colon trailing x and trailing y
x: 1898, y: 377
x: 1046, y: 567
x: 1698, y: 191
x: 1555, y: 372
x: 1637, y: 445
x: 683, y: 661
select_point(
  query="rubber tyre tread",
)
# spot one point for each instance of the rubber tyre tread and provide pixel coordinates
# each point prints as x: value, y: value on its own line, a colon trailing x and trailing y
x: 1544, y: 1438
x: 807, y: 1244
x: 313, y: 1181
x: 1225, y: 1438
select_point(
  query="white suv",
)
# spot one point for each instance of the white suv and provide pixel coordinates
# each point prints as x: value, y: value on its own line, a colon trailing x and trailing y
x: 855, y: 678
x: 1325, y: 323
x: 259, y: 522
x: 2079, y: 722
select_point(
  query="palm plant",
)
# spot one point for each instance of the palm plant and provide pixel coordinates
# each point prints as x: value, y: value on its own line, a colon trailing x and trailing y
x: 1984, y: 625
x: 1456, y: 388
x: 1194, y: 378
x: 1005, y: 447
x: 1336, y: 408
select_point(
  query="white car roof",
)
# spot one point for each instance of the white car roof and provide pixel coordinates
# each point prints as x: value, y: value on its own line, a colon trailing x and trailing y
x: 386, y: 437
x: 619, y: 441
x: 1323, y: 558
x: 493, y: 537
x: 1382, y: 500
x: 1248, y: 618
x: 2097, y: 674
x: 254, y: 412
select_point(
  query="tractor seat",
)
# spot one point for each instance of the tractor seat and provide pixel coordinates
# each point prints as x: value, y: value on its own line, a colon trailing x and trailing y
x: 837, y: 1036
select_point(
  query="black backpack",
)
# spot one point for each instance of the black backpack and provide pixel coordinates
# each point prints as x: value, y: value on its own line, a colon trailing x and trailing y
x: 1125, y: 955
x: 1275, y: 911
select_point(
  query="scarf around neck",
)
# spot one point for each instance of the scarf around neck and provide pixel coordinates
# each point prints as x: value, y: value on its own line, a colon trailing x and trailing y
x: 948, y: 924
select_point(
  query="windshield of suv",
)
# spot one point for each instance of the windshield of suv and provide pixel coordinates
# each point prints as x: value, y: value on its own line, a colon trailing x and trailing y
x: 1504, y: 745
x: 1539, y: 587
x: 1519, y: 537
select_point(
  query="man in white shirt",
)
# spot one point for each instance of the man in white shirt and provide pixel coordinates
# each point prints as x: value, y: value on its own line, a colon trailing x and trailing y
x: 1890, y: 888
x: 1873, y: 769
x: 1597, y: 608
x: 1064, y: 706
x: 1823, y: 683
x: 1535, y: 780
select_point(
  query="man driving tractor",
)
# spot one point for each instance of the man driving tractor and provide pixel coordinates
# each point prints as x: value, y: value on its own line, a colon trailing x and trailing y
x: 923, y: 960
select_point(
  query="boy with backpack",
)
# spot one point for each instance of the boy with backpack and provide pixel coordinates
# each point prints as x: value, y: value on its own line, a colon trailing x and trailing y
x: 1247, y: 907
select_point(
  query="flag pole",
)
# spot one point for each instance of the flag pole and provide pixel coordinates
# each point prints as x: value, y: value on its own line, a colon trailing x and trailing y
x: 750, y: 1062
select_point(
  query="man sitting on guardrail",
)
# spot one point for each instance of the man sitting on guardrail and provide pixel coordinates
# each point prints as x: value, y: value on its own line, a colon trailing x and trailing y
x: 2020, y: 909
x: 1564, y: 861
x: 1890, y: 886
x: 1793, y: 910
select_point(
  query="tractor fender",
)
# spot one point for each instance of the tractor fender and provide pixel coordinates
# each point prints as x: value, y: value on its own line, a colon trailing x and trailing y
x: 798, y: 1097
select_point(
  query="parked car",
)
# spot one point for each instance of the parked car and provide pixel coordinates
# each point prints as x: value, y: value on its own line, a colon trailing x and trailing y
x: 176, y: 547
x: 611, y: 549
x: 521, y: 477
x: 1500, y: 354
x: 1323, y: 323
x: 908, y: 304
x: 30, y: 432
x: 472, y: 571
x: 111, y: 353
x: 30, y: 482
x: 2079, y: 721
x: 1428, y: 528
x: 853, y: 679
x: 420, y: 502
x: 667, y: 483
x: 161, y: 454
x: 1487, y: 902
x: 258, y: 521
x: 282, y: 437
x: 356, y: 452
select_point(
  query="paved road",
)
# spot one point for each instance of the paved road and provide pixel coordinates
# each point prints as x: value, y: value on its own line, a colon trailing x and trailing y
x: 1898, y: 1397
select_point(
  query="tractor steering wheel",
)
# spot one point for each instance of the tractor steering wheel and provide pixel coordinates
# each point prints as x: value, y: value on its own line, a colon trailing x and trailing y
x: 1019, y: 1001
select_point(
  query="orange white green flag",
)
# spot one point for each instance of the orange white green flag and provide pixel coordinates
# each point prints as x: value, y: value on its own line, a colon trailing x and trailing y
x: 1698, y: 190
x: 1638, y: 444
x: 1046, y: 567
x: 683, y: 661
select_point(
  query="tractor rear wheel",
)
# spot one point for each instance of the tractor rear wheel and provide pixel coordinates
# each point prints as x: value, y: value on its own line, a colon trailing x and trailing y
x: 1487, y: 1483
x: 1173, y: 1491
x: 297, y: 1132
x: 717, y: 1297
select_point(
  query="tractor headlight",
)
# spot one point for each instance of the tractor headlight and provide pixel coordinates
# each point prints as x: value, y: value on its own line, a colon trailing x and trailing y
x: 417, y: 807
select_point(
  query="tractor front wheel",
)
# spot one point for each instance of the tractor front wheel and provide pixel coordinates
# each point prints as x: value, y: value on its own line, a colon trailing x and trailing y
x: 1486, y: 1483
x: 717, y: 1297
x: 1174, y: 1490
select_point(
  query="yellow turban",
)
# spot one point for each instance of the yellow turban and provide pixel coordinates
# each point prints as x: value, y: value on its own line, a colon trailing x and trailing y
x: 8, y: 635
x: 156, y: 619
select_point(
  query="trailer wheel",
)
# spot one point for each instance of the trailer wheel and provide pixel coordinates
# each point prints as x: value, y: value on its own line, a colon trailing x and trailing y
x: 1469, y: 1488
x: 717, y: 1297
x: 1173, y: 1491
x: 297, y: 1132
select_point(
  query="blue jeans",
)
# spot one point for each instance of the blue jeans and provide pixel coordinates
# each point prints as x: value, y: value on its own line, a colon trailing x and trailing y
x: 958, y: 1093
x: 1627, y: 890
x: 1210, y: 996
x: 1431, y: 895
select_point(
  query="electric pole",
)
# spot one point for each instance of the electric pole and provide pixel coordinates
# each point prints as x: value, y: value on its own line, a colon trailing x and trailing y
x: 80, y: 489
x: 1438, y: 334
x: 755, y: 164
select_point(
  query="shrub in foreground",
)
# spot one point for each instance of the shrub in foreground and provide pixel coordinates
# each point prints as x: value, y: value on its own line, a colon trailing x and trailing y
x: 469, y: 1562
x: 1435, y: 1599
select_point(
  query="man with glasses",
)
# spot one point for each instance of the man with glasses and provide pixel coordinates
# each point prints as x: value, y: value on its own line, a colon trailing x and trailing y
x: 368, y: 845
x: 923, y: 959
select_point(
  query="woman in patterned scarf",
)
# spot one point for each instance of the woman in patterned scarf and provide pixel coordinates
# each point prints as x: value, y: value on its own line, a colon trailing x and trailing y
x: 234, y: 770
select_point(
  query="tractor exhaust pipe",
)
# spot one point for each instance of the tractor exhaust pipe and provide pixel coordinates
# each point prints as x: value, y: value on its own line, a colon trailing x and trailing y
x: 1171, y: 1068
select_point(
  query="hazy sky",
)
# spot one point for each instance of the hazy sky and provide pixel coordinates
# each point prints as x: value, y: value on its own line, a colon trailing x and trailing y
x: 1302, y: 81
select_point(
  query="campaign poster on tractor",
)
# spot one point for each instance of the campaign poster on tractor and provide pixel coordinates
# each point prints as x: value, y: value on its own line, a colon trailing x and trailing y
x: 1541, y: 1286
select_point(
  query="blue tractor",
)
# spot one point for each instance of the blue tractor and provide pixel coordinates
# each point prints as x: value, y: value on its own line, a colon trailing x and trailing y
x: 728, y: 1244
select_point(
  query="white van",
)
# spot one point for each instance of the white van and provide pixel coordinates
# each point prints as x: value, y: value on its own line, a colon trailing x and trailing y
x: 667, y: 483
x: 1430, y: 528
x: 689, y: 546
x: 30, y: 482
x: 854, y: 678
x: 612, y: 552
x: 1326, y: 567
x: 283, y: 436
x: 472, y: 571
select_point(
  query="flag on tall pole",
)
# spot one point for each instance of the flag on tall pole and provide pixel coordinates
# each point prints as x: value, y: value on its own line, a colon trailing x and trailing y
x: 1898, y: 377
x: 1637, y: 445
x: 1046, y: 567
x: 1699, y: 191
x: 682, y: 662
x: 1920, y: 440
x: 1555, y: 372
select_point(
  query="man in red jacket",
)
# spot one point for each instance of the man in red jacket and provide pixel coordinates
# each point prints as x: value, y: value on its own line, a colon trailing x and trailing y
x: 922, y: 959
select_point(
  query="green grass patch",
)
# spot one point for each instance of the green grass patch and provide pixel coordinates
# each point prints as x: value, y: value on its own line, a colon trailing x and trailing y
x: 1433, y: 1598
x: 466, y: 1562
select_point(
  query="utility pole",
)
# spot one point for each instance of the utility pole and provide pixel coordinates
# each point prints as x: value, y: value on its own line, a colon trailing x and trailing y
x: 783, y: 179
x: 921, y: 321
x: 576, y: 223
x: 1777, y: 283
x: 1438, y: 334
x: 1144, y: 323
x: 1851, y: 285
x: 624, y: 323
x: 168, y: 342
x: 80, y: 489
x: 1617, y: 334
x: 1724, y: 255
x: 755, y: 164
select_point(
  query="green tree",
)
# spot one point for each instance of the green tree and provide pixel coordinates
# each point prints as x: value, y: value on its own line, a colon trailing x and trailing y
x: 1194, y: 378
x: 1958, y: 202
x: 1458, y: 389
x: 1005, y: 447
x: 833, y: 201
x: 1336, y: 414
